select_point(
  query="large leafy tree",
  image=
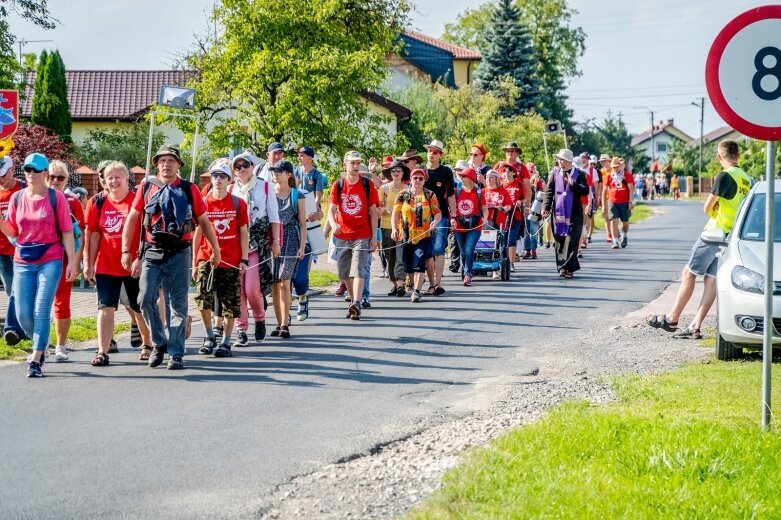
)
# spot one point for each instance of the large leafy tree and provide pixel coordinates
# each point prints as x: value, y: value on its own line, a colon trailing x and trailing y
x: 610, y: 136
x: 126, y: 144
x: 294, y: 71
x: 557, y: 44
x: 35, y: 11
x: 509, y: 53
x: 50, y: 99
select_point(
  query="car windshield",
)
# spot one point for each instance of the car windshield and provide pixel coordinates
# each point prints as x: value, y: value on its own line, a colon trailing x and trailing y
x: 754, y: 223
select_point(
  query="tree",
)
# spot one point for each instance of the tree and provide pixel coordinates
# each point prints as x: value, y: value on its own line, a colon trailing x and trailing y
x: 612, y: 137
x: 37, y: 138
x: 557, y: 44
x: 35, y: 11
x: 509, y: 53
x: 126, y: 144
x: 50, y: 98
x: 292, y: 78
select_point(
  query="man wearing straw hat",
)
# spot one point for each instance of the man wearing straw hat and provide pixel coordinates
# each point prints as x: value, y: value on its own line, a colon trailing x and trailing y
x: 441, y: 182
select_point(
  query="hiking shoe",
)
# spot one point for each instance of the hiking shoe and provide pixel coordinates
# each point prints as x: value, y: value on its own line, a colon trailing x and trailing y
x: 218, y: 331
x: 60, y: 353
x: 623, y: 240
x: 365, y: 304
x: 223, y: 350
x: 260, y: 330
x: 415, y: 298
x: 113, y: 348
x: 34, y: 369
x: 303, y: 308
x: 241, y: 339
x: 341, y: 289
x: 175, y: 363
x: 527, y: 255
x: 354, y: 312
x: 615, y: 245
x: 11, y: 337
x: 207, y: 347
x: 135, y: 336
x: 156, y: 358
x: 393, y: 291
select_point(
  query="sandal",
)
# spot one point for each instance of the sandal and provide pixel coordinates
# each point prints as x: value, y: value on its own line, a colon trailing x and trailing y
x: 284, y: 332
x: 688, y: 333
x: 431, y: 290
x: 100, y: 360
x: 569, y: 274
x: 439, y: 290
x: 660, y: 322
x: 145, y: 353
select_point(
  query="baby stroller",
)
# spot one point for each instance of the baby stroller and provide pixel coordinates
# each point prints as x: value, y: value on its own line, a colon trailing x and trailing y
x: 491, y: 249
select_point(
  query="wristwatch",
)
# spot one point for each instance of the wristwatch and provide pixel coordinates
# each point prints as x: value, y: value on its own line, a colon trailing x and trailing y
x: 244, y: 261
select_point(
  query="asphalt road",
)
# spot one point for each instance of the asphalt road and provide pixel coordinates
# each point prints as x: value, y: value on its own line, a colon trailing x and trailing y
x: 212, y: 440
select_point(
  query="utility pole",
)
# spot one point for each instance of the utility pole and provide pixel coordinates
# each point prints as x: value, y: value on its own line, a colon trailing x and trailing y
x: 22, y: 43
x: 653, y: 146
x: 701, y: 106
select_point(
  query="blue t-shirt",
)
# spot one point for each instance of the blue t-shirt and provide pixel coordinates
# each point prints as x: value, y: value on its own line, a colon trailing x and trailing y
x: 313, y: 181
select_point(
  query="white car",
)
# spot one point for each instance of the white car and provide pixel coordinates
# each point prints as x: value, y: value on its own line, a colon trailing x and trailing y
x: 740, y: 279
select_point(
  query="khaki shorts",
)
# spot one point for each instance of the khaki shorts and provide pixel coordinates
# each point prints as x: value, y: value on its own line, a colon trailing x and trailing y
x: 351, y: 256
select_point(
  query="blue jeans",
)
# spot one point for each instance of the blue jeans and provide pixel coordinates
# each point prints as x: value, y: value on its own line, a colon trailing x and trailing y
x: 466, y: 243
x: 7, y: 274
x: 439, y: 242
x: 367, y: 272
x: 530, y: 239
x: 173, y: 275
x: 38, y: 282
x: 301, y: 276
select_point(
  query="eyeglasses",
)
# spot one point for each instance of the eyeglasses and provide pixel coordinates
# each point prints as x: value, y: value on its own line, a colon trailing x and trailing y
x: 241, y: 166
x: 57, y: 177
x: 30, y: 169
x: 417, y: 178
x: 475, y: 154
x: 220, y: 175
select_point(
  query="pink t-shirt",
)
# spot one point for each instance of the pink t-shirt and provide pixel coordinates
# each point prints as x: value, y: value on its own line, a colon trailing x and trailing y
x: 32, y: 220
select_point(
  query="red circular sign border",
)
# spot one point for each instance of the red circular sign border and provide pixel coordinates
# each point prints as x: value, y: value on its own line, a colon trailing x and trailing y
x: 715, y: 54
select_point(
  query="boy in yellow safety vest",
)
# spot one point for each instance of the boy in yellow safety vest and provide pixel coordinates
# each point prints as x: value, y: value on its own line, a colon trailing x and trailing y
x: 729, y: 189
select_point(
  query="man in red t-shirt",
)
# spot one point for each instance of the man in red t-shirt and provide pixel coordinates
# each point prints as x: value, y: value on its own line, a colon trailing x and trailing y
x: 164, y: 266
x: 230, y: 220
x: 617, y: 200
x: 512, y: 154
x: 12, y: 331
x: 353, y: 217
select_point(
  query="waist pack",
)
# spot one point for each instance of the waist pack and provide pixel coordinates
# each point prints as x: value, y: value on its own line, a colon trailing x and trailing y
x: 468, y: 222
x: 168, y: 215
x: 32, y: 252
x: 53, y: 202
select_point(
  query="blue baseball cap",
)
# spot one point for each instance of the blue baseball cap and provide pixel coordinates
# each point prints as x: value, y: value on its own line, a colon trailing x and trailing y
x: 273, y: 147
x: 37, y: 161
x: 307, y: 150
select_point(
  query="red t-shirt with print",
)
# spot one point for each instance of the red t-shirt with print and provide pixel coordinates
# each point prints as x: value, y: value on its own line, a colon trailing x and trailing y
x: 109, y: 223
x: 467, y: 205
x: 516, y: 191
x: 6, y: 248
x: 353, y: 210
x: 226, y: 221
x: 496, y: 197
x: 618, y: 187
x: 199, y: 206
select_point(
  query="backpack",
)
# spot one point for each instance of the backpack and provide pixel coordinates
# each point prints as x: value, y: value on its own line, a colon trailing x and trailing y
x: 234, y: 198
x: 53, y: 202
x: 459, y: 189
x: 366, y: 188
x: 168, y: 214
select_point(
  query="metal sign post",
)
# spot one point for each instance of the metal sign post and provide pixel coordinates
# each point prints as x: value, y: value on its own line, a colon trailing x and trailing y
x: 743, y: 77
x: 180, y: 98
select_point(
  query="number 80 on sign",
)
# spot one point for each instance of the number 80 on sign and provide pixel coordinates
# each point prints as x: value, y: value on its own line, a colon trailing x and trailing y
x: 743, y: 73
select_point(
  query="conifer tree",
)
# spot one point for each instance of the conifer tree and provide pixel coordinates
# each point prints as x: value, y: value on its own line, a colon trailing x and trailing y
x: 50, y: 99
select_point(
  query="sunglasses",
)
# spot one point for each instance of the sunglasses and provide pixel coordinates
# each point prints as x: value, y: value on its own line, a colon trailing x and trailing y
x: 241, y: 166
x: 30, y: 169
x: 416, y: 178
x: 475, y: 154
x: 397, y: 170
x: 220, y: 175
x: 57, y: 177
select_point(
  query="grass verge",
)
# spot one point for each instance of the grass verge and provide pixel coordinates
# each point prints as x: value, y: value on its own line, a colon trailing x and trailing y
x: 322, y: 278
x: 685, y: 444
x: 641, y: 212
x: 82, y: 329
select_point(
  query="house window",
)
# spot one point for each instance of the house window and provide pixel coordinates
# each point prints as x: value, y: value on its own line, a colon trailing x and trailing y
x: 661, y: 147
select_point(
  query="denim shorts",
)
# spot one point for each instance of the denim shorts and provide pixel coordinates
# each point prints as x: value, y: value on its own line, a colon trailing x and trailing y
x: 439, y: 239
x: 516, y: 231
x: 416, y: 255
x: 703, y: 261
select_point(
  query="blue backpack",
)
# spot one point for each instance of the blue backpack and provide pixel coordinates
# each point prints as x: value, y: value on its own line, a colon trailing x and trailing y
x: 168, y: 214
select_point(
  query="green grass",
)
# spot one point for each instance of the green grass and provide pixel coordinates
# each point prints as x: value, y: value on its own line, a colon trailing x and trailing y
x: 686, y: 444
x: 641, y: 212
x: 322, y: 278
x: 82, y: 329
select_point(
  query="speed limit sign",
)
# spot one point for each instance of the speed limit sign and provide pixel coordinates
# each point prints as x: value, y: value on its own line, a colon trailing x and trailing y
x: 743, y: 73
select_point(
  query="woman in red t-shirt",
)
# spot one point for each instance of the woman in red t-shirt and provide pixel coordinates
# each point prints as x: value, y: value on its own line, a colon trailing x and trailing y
x: 103, y: 264
x: 468, y: 220
x: 497, y: 200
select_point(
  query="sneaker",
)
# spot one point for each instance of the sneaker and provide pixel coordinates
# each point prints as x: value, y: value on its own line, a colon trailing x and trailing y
x: 415, y: 298
x: 496, y: 275
x: 347, y: 297
x: 623, y: 240
x: 260, y: 330
x: 534, y: 255
x: 207, y: 347
x: 113, y: 348
x: 354, y: 312
x: 580, y: 255
x: 547, y: 245
x: 218, y: 331
x: 615, y: 245
x: 468, y: 280
x: 241, y: 339
x: 11, y: 337
x: 401, y: 291
x: 175, y: 363
x: 365, y: 304
x: 135, y: 336
x: 303, y: 310
x: 527, y: 255
x: 512, y: 266
x: 60, y: 353
x: 156, y: 358
x: 223, y: 350
x: 341, y: 289
x: 393, y: 291
x: 34, y: 369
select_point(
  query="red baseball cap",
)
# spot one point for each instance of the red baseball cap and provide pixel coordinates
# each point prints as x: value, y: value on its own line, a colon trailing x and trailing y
x: 420, y: 171
x: 469, y: 173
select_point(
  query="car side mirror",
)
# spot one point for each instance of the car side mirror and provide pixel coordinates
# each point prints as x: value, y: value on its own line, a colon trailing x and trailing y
x: 714, y: 237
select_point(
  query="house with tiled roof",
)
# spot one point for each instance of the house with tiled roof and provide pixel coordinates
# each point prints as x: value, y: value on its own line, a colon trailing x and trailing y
x: 105, y: 99
x: 724, y: 132
x: 662, y: 135
x: 423, y: 57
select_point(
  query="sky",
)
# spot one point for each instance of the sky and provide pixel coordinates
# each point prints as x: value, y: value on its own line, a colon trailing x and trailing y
x: 640, y: 56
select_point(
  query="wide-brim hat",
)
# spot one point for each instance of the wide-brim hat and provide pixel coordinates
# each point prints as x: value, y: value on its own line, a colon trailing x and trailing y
x: 512, y: 145
x: 168, y: 149
x: 615, y: 161
x: 604, y: 157
x: 436, y: 145
x: 565, y: 154
x: 410, y: 154
x: 461, y: 164
x: 396, y: 164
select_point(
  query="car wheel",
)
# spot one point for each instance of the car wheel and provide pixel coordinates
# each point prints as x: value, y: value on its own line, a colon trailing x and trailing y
x: 726, y: 350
